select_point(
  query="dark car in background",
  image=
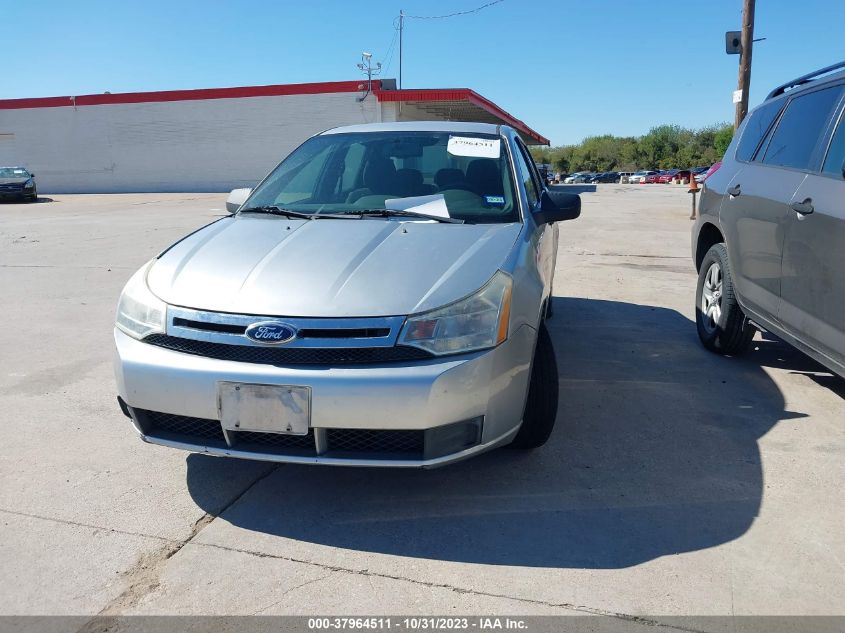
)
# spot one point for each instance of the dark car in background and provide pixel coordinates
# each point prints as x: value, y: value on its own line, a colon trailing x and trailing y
x: 769, y: 242
x: 17, y: 183
x: 605, y: 177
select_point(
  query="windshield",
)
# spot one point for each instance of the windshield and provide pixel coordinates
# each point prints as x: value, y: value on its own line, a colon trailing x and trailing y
x: 462, y: 176
x: 13, y: 172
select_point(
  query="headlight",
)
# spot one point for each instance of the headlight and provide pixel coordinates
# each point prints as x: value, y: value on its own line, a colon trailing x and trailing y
x: 139, y: 312
x: 29, y: 184
x: 478, y: 322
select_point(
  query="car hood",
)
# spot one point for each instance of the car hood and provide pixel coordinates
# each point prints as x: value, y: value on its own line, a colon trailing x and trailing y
x: 13, y: 181
x: 268, y: 265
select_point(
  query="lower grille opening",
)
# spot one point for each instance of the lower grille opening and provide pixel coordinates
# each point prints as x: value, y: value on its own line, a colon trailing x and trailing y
x: 408, y: 444
x: 341, y: 443
x: 181, y: 428
x: 275, y: 443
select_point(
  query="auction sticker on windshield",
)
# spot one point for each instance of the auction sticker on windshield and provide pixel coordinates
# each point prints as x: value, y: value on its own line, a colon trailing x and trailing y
x: 475, y: 147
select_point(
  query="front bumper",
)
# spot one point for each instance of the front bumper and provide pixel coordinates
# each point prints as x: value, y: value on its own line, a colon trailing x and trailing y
x: 18, y: 194
x: 421, y: 396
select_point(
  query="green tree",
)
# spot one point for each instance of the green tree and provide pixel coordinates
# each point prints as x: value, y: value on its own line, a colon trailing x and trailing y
x: 722, y: 138
x: 664, y: 147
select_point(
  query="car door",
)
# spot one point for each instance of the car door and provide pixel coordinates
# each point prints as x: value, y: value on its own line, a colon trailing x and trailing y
x: 757, y: 207
x: 812, y: 305
x: 543, y: 239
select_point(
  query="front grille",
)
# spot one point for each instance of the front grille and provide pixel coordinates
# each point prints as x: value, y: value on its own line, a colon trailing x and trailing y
x: 341, y: 333
x: 11, y: 188
x: 369, y: 441
x: 289, y: 355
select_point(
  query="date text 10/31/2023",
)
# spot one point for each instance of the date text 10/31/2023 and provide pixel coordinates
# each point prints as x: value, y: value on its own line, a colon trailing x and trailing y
x: 432, y: 623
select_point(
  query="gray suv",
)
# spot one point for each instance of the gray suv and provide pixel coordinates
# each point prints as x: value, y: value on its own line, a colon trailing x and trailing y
x: 769, y: 243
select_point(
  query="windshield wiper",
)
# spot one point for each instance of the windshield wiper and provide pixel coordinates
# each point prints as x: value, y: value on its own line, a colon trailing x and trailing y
x: 274, y: 210
x: 290, y: 213
x: 389, y: 213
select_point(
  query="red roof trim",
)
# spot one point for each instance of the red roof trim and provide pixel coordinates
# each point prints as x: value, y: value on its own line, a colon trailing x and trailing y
x: 185, y: 95
x: 461, y: 94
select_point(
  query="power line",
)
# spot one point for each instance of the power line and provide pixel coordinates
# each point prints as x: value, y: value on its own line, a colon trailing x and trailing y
x: 452, y: 15
x: 403, y: 15
x: 388, y: 56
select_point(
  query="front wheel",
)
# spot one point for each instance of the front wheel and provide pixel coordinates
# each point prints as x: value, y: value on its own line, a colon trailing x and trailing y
x: 540, y: 414
x: 722, y: 326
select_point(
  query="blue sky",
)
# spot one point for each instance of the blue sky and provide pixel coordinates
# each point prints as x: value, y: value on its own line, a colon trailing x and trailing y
x: 568, y: 69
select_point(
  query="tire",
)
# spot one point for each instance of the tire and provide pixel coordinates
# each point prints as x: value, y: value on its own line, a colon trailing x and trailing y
x: 722, y: 326
x: 540, y: 413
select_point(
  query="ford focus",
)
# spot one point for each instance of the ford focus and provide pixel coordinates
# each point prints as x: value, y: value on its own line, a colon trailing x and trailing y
x: 379, y: 299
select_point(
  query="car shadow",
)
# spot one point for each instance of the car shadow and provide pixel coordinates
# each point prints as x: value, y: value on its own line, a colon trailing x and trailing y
x: 36, y: 201
x: 654, y: 453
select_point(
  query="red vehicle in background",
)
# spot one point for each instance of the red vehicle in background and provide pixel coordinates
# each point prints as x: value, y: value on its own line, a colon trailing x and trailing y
x: 674, y: 174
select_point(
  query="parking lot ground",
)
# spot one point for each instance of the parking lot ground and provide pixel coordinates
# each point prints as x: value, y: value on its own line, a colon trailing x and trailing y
x: 675, y: 483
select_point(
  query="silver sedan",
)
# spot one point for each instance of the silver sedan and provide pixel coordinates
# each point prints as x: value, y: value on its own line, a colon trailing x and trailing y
x: 379, y: 299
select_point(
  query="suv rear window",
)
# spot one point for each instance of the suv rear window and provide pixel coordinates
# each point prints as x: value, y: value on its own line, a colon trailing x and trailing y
x: 758, y: 124
x: 799, y: 129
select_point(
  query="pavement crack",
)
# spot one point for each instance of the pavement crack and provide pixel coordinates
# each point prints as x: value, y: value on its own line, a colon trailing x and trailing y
x: 144, y: 577
x: 89, y: 526
x: 461, y: 590
x: 287, y: 591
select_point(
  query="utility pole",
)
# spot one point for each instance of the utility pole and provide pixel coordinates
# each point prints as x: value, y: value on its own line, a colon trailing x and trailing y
x: 747, y: 43
x: 401, y: 28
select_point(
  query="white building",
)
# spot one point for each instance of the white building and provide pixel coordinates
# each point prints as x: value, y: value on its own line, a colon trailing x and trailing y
x: 205, y: 140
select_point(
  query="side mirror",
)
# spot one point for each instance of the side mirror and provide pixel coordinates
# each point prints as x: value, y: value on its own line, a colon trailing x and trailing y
x: 236, y: 198
x: 558, y: 206
x: 31, y: 175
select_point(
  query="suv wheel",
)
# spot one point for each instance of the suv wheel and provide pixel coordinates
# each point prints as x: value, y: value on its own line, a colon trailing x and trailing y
x: 538, y: 420
x: 722, y: 326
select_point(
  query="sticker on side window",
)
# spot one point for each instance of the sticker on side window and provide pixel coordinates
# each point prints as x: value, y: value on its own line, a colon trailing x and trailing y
x: 474, y: 147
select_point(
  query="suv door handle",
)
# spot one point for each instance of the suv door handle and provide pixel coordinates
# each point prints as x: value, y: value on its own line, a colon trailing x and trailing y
x: 735, y: 190
x: 804, y: 208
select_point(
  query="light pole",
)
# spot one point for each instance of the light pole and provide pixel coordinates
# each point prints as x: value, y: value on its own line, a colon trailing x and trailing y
x: 366, y: 67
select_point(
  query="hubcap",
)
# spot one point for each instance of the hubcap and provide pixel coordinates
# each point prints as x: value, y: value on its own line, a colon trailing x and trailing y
x: 711, y: 297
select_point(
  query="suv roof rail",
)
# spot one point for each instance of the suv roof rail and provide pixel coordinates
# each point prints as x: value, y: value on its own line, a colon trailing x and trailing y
x: 804, y: 79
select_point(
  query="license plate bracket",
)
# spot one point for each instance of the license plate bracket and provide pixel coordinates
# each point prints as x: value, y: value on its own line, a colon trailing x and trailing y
x: 282, y: 409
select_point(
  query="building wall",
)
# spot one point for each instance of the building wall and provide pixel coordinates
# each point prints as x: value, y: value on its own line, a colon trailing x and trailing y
x: 198, y: 145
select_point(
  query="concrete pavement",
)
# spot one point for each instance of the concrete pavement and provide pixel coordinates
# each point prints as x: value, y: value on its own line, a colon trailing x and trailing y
x: 675, y: 483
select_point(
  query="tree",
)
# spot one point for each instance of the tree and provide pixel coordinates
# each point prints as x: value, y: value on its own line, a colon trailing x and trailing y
x: 664, y: 146
x: 723, y: 137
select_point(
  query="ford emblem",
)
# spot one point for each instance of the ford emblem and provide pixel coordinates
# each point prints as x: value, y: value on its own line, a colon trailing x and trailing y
x: 270, y: 333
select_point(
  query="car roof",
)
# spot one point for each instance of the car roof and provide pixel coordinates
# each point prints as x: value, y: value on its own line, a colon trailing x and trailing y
x: 420, y: 126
